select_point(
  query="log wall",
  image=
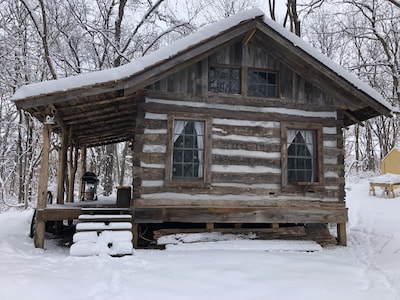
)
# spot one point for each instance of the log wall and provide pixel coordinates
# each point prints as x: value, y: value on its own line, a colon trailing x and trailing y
x: 246, y: 133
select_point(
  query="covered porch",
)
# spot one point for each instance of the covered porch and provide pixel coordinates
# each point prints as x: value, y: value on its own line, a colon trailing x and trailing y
x: 97, y: 115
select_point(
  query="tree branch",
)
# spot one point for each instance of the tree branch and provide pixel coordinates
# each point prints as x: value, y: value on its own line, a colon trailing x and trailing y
x: 42, y: 33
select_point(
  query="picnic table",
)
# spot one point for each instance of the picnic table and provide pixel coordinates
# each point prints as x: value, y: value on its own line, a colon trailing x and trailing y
x: 387, y: 182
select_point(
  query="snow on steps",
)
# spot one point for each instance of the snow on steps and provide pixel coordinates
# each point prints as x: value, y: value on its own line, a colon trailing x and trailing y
x: 107, y: 242
x: 103, y: 234
x: 100, y: 226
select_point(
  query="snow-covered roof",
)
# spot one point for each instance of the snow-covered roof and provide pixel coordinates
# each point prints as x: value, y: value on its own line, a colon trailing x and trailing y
x: 138, y: 64
x: 142, y: 63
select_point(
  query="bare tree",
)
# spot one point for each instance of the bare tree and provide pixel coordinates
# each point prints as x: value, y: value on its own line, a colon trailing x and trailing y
x: 40, y: 23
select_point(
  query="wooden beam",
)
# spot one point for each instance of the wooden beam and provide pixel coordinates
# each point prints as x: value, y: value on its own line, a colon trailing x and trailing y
x: 62, y: 163
x: 341, y: 234
x: 42, y: 192
x: 231, y: 215
x: 82, y: 170
x: 352, y: 117
x: 249, y: 36
x: 73, y: 116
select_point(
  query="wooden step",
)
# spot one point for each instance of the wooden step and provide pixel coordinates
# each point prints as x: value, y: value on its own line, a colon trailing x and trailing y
x: 103, y: 231
x: 105, y: 211
x: 105, y: 218
x: 100, y: 226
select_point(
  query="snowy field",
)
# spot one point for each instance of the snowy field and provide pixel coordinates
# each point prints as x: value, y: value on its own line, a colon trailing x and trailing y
x: 368, y: 269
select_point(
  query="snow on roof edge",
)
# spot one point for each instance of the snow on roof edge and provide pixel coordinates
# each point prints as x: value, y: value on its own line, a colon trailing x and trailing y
x: 137, y: 65
x: 329, y: 63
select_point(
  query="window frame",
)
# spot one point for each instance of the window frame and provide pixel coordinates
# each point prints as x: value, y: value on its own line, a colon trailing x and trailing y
x: 296, y: 186
x: 205, y: 181
x: 267, y: 71
x: 232, y: 67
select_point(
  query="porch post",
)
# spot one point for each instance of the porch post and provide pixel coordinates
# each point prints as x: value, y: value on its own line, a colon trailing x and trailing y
x: 42, y: 192
x: 82, y: 170
x: 341, y: 234
x: 62, y: 164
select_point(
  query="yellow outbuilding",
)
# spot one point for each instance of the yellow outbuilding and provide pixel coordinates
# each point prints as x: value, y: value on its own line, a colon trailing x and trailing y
x: 391, y: 162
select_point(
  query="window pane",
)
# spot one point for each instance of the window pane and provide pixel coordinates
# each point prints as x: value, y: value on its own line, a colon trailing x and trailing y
x: 188, y: 154
x: 272, y: 78
x: 262, y: 84
x: 224, y: 80
x: 188, y: 171
x: 302, y: 159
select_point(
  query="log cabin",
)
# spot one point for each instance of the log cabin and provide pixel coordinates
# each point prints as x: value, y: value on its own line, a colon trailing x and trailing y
x: 239, y: 124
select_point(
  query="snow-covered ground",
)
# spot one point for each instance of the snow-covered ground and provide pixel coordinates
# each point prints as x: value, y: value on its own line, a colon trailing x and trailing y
x: 369, y: 268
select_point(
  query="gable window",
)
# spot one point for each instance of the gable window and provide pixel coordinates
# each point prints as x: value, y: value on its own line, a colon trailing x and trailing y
x: 188, y: 151
x: 224, y: 80
x: 301, y: 154
x: 262, y: 83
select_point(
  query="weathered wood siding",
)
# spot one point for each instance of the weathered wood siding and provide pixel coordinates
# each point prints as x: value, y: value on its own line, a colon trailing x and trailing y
x: 246, y: 132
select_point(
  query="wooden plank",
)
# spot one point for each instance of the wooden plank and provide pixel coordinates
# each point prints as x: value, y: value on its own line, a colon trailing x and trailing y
x: 263, y: 233
x: 240, y: 215
x: 233, y: 204
x: 107, y: 210
x: 243, y: 145
x: 246, y: 161
x: 101, y: 226
x: 240, y: 115
x: 247, y: 178
x: 216, y: 190
x: 224, y: 130
x: 105, y: 218
x: 58, y: 214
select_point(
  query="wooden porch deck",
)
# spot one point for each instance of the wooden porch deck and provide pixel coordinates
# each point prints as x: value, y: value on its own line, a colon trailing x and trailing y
x: 72, y: 210
x: 277, y: 214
